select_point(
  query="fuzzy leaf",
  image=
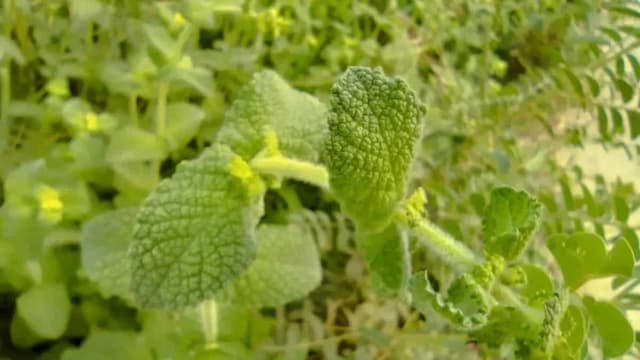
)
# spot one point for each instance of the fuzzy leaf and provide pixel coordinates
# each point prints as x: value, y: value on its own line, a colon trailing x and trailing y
x: 269, y: 102
x: 374, y: 124
x: 613, y: 327
x: 509, y: 220
x: 287, y: 267
x: 194, y: 233
x: 388, y: 260
x: 580, y: 256
x: 466, y: 307
x: 104, y: 242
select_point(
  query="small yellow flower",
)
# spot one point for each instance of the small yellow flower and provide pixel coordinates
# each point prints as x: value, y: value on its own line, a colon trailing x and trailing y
x: 179, y: 20
x: 49, y: 203
x: 185, y: 62
x: 91, y: 121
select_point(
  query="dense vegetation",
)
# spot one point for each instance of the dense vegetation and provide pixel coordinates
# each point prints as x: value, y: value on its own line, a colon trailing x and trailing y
x: 332, y: 179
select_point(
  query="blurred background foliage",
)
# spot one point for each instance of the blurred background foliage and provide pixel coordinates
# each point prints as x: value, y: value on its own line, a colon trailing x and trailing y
x: 100, y: 99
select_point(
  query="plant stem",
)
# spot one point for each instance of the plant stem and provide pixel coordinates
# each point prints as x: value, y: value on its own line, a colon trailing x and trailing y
x: 6, y: 78
x: 452, y: 251
x: 161, y: 110
x: 209, y: 322
x: 133, y: 109
x: 506, y: 294
x: 291, y: 168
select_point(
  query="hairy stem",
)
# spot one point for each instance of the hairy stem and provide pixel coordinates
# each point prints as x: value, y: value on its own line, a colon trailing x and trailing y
x: 452, y: 251
x: 209, y: 321
x: 506, y: 295
x: 291, y: 168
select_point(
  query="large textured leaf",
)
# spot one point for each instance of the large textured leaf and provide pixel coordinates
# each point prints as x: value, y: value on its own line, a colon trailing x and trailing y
x: 374, y: 123
x: 387, y: 256
x: 195, y: 232
x: 105, y: 241
x: 508, y: 222
x: 286, y: 268
x: 269, y: 103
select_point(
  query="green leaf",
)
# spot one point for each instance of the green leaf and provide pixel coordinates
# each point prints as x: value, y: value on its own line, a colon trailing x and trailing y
x: 621, y: 208
x: 183, y: 123
x: 580, y: 256
x: 573, y: 328
x: 109, y: 345
x: 8, y: 49
x: 374, y: 124
x: 198, y: 78
x: 388, y: 260
x: 613, y: 327
x: 44, y: 309
x: 539, y: 285
x: 161, y: 40
x: 194, y: 233
x: 626, y: 89
x: 467, y: 305
x: 269, y: 103
x: 505, y: 324
x: 104, y: 242
x: 287, y: 267
x: 620, y: 259
x: 634, y: 123
x: 133, y: 144
x: 631, y: 236
x: 509, y: 220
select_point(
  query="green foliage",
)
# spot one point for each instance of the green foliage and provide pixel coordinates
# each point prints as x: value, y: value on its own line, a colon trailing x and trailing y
x: 374, y: 123
x: 387, y: 257
x: 509, y: 220
x: 105, y: 241
x: 195, y: 232
x: 185, y: 143
x: 286, y: 268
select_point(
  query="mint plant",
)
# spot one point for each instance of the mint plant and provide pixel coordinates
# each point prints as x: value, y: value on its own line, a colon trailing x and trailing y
x: 198, y: 236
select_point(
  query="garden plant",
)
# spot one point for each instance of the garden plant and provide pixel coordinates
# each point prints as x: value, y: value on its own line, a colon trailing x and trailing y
x: 291, y: 179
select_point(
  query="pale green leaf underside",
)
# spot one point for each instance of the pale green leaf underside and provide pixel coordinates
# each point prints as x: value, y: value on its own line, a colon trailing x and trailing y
x: 194, y: 233
x: 388, y: 260
x: 286, y: 268
x: 508, y: 222
x: 269, y: 102
x: 374, y: 123
x: 104, y: 242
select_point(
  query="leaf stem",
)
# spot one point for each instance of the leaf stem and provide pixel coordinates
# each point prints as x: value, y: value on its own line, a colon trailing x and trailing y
x: 209, y: 321
x: 291, y: 168
x: 452, y: 251
x: 161, y: 110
